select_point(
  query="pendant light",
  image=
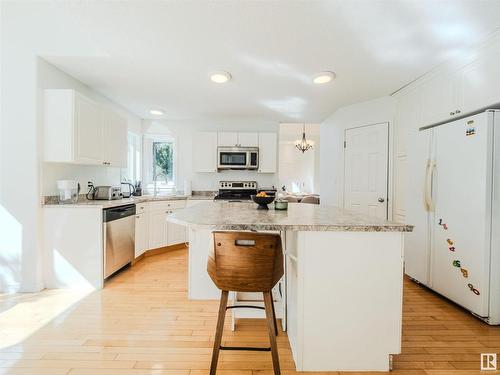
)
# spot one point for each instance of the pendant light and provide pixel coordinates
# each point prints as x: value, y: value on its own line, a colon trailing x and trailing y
x: 303, y: 144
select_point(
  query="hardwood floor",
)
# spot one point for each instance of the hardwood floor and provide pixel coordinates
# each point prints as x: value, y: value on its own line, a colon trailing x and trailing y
x: 143, y: 323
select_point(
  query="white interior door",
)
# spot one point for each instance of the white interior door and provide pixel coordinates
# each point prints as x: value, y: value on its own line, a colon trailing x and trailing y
x: 366, y: 169
x: 462, y: 200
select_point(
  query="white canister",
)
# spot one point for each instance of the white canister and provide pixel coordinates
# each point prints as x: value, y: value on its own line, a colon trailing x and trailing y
x: 68, y: 191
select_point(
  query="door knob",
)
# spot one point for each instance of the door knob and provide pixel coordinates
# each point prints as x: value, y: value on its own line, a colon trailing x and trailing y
x: 381, y: 200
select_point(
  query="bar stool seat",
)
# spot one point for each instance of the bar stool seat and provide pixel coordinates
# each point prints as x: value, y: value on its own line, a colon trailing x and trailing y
x: 246, y: 262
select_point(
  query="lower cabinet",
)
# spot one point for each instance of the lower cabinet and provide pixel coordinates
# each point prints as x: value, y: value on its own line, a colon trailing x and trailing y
x: 141, y: 234
x: 161, y: 233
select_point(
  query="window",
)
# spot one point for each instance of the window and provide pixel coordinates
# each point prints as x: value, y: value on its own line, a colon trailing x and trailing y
x: 133, y: 172
x: 159, y: 162
x: 163, y: 160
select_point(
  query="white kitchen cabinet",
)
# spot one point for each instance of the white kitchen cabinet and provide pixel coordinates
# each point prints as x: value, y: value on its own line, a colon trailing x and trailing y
x: 157, y: 229
x: 161, y: 232
x: 234, y: 139
x: 438, y: 98
x: 205, y: 152
x: 141, y: 234
x: 115, y: 128
x: 81, y: 131
x: 248, y: 139
x: 89, y: 125
x: 267, y: 152
x: 227, y: 139
x: 479, y: 82
x: 176, y: 234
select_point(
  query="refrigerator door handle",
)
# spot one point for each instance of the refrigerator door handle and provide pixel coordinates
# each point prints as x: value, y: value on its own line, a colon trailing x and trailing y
x: 426, y: 201
x: 431, y: 164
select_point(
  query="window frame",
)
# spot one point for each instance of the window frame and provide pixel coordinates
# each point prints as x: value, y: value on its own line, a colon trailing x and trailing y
x: 148, y: 166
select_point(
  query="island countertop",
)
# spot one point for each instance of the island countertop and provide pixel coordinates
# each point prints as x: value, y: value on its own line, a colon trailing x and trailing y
x: 222, y: 215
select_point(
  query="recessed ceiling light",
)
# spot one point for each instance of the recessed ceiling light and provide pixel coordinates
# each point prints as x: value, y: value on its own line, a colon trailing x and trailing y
x: 156, y: 112
x: 323, y: 77
x: 220, y: 77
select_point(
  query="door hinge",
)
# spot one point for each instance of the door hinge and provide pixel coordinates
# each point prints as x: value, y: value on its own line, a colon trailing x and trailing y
x: 345, y: 144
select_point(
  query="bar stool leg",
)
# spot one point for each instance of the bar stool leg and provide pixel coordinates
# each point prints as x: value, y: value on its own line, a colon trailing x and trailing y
x: 218, y: 331
x: 268, y: 301
x: 274, y: 316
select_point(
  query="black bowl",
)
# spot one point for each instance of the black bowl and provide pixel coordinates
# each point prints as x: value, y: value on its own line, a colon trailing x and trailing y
x: 262, y: 201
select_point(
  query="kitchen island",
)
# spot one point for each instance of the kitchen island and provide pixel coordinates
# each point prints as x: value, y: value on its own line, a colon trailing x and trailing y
x: 343, y: 280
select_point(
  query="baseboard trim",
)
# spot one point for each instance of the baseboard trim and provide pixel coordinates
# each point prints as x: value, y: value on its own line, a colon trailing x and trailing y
x: 160, y: 250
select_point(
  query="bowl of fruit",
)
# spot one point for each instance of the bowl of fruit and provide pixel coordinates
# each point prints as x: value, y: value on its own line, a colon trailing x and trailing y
x: 262, y: 199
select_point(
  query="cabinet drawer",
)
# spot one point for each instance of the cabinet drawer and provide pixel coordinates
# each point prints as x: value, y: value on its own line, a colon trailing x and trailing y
x: 141, y: 207
x: 166, y: 205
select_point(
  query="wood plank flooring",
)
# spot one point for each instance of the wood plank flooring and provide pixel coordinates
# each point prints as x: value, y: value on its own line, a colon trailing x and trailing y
x: 143, y: 323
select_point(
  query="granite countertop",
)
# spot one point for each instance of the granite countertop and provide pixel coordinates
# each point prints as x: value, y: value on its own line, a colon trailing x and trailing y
x: 83, y: 202
x: 222, y: 215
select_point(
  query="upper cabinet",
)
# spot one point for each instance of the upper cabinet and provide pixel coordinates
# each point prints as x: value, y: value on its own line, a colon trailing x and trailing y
x: 267, y: 152
x: 78, y: 130
x: 438, y: 98
x: 205, y: 152
x: 479, y: 82
x: 234, y: 139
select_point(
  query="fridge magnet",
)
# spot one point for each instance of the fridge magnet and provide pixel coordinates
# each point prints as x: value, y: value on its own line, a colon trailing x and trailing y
x: 456, y: 263
x: 473, y: 290
x: 450, y: 242
x: 470, y: 131
x: 451, y: 248
x: 465, y: 273
x: 444, y: 225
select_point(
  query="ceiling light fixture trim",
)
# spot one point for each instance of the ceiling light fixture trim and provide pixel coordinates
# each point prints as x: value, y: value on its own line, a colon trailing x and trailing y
x: 324, y: 77
x: 220, y: 77
x: 156, y: 112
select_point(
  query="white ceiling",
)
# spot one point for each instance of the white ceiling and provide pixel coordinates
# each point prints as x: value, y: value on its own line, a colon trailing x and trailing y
x: 159, y: 54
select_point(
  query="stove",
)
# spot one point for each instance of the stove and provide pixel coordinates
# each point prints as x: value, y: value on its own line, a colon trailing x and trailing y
x: 236, y: 191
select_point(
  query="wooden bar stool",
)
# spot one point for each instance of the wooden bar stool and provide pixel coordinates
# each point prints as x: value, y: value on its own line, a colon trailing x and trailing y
x: 246, y: 262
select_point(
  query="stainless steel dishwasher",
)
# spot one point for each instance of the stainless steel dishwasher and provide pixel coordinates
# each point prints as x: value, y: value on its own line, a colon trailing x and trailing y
x: 119, y: 237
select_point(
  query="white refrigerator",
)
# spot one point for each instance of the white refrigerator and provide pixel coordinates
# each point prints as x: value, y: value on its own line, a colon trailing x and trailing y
x: 453, y: 199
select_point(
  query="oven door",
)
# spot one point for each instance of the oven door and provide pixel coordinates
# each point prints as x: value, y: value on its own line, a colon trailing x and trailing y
x: 232, y: 159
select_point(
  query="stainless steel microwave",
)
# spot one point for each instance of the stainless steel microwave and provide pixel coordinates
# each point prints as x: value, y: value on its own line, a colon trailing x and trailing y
x: 237, y: 158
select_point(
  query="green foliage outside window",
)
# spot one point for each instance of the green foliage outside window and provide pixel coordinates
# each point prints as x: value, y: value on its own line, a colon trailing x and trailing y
x: 163, y: 159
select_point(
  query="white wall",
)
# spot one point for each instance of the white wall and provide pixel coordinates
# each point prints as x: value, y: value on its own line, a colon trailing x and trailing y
x: 182, y: 131
x: 295, y: 166
x: 24, y: 37
x: 50, y: 77
x: 332, y: 142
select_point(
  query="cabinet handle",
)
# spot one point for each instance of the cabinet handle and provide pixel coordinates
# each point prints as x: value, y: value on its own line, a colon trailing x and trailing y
x: 137, y: 217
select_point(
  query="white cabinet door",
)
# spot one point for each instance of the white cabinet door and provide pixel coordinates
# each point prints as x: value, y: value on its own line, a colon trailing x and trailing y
x: 141, y: 234
x: 479, y: 82
x: 438, y: 99
x: 89, y: 134
x: 176, y: 233
x: 205, y: 152
x: 115, y: 139
x: 267, y: 152
x: 248, y: 139
x: 157, y: 229
x: 228, y: 139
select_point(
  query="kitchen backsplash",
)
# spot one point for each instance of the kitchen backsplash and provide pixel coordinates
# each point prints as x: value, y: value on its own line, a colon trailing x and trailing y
x: 99, y: 175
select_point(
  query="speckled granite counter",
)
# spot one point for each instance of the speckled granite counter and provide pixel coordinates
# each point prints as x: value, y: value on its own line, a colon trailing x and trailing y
x: 300, y: 217
x: 82, y: 202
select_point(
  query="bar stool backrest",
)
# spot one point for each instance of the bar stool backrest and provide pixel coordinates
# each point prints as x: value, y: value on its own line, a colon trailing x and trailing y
x: 245, y: 261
